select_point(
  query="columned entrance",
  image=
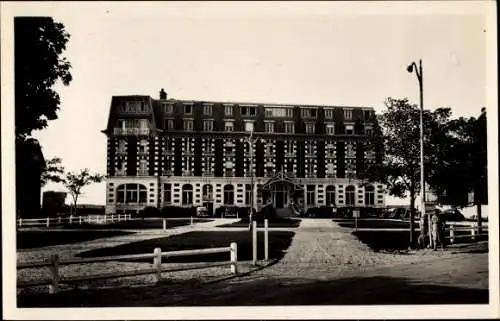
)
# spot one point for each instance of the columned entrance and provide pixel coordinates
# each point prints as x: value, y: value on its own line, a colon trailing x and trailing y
x: 281, y: 190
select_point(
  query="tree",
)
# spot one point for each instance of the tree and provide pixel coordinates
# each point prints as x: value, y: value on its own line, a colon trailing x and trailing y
x: 38, y: 65
x: 52, y: 171
x: 75, y: 182
x: 399, y: 168
x: 463, y: 167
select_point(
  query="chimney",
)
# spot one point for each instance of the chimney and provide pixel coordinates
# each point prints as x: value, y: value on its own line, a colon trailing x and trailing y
x: 163, y: 94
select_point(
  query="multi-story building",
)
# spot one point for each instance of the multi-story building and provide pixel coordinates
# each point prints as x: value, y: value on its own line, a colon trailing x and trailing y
x: 205, y: 153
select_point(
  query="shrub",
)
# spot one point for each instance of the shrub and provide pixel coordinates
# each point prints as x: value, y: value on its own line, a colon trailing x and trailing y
x: 177, y: 211
x: 150, y: 211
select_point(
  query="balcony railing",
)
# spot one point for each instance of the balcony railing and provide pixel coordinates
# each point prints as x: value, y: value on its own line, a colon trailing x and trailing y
x: 131, y: 131
x: 121, y: 173
x: 208, y: 174
x: 187, y: 173
x: 142, y: 172
x: 167, y: 152
x: 207, y: 198
x: 167, y: 173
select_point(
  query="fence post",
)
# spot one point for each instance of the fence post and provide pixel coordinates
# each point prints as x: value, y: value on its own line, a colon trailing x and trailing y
x: 266, y: 240
x: 157, y: 263
x: 70, y: 219
x: 118, y: 217
x: 254, y: 243
x: 164, y: 224
x: 452, y: 233
x: 53, y: 288
x: 88, y: 219
x: 234, y: 258
x: 59, y: 220
x: 80, y: 219
x: 20, y: 222
x: 191, y: 220
x: 473, y: 232
x: 48, y: 221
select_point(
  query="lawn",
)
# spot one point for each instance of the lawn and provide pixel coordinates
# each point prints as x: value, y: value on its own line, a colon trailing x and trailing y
x: 34, y: 239
x: 372, y: 223
x: 279, y: 223
x: 278, y: 243
x: 399, y: 240
x: 136, y: 224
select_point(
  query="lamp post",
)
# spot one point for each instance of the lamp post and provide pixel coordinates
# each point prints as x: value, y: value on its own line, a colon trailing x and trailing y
x: 419, y: 73
x: 250, y: 141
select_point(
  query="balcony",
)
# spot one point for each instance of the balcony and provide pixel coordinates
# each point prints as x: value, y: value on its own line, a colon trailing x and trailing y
x: 132, y: 131
x: 187, y: 173
x: 167, y: 152
x: 207, y: 174
x: 290, y: 155
x: 207, y: 198
x: 167, y: 173
x: 143, y: 172
x: 121, y: 172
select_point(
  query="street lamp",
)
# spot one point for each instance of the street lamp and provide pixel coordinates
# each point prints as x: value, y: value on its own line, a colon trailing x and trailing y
x: 419, y: 73
x: 250, y: 141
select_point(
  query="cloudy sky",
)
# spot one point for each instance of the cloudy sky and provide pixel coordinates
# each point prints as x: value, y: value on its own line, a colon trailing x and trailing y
x: 334, y: 53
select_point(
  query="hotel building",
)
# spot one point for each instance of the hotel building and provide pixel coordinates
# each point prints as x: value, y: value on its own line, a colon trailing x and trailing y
x: 206, y: 153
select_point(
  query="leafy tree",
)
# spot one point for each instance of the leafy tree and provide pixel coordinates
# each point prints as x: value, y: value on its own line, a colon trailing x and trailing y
x: 463, y: 167
x: 38, y: 65
x: 52, y: 171
x: 75, y: 182
x: 399, y: 168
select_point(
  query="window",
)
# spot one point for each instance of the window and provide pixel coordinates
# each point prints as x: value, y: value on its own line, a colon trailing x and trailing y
x: 330, y: 169
x: 330, y: 129
x: 143, y: 123
x: 143, y: 167
x: 228, y: 126
x: 349, y: 191
x: 188, y: 124
x: 131, y: 193
x: 207, y: 192
x: 368, y: 131
x: 304, y: 112
x: 269, y: 127
x: 289, y: 112
x: 122, y: 146
x: 289, y: 128
x: 349, y: 129
x: 330, y: 195
x: 167, y: 193
x: 370, y: 195
x: 310, y: 128
x: 187, y: 194
x: 228, y: 194
x: 208, y: 125
x: 207, y: 110
x: 143, y: 146
x: 249, y: 126
x: 269, y: 112
x: 328, y: 113
x: 310, y: 195
x: 188, y: 109
x: 169, y: 108
x: 347, y: 113
x: 248, y: 194
x: 228, y: 110
x: 169, y: 124
x: 247, y: 110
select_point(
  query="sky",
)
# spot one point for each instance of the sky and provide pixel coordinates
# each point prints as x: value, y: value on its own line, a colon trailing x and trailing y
x: 336, y: 53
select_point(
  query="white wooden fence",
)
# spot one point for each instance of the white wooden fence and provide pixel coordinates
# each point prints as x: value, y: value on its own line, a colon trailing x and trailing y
x: 89, y: 219
x: 53, y: 263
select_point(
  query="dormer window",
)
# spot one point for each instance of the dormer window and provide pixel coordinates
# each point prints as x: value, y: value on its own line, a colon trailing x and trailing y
x: 207, y: 109
x: 329, y: 113
x: 347, y: 113
x: 188, y: 109
x: 228, y: 110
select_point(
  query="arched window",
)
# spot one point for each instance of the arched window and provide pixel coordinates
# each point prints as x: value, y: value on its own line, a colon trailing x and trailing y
x: 207, y: 192
x: 330, y: 195
x: 349, y: 195
x: 131, y: 193
x: 370, y: 195
x: 187, y: 194
x: 228, y: 194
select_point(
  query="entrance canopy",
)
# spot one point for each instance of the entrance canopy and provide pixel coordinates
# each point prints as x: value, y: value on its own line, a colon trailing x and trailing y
x: 280, y: 179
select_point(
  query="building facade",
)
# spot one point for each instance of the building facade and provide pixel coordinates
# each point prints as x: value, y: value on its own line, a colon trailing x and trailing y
x: 164, y: 152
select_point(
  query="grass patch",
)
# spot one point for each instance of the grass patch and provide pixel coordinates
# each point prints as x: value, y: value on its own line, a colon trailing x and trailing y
x: 400, y: 240
x: 135, y: 224
x: 278, y: 243
x: 372, y: 223
x: 34, y: 239
x: 279, y: 223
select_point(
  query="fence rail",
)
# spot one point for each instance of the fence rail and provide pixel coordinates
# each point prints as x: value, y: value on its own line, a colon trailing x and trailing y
x: 53, y: 263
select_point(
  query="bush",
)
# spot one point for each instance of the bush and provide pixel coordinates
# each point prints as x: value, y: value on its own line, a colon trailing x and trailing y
x: 150, y: 211
x: 177, y: 211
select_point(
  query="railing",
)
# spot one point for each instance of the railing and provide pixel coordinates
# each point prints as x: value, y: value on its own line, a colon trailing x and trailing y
x: 53, y: 221
x: 131, y: 131
x: 53, y: 264
x: 143, y: 172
